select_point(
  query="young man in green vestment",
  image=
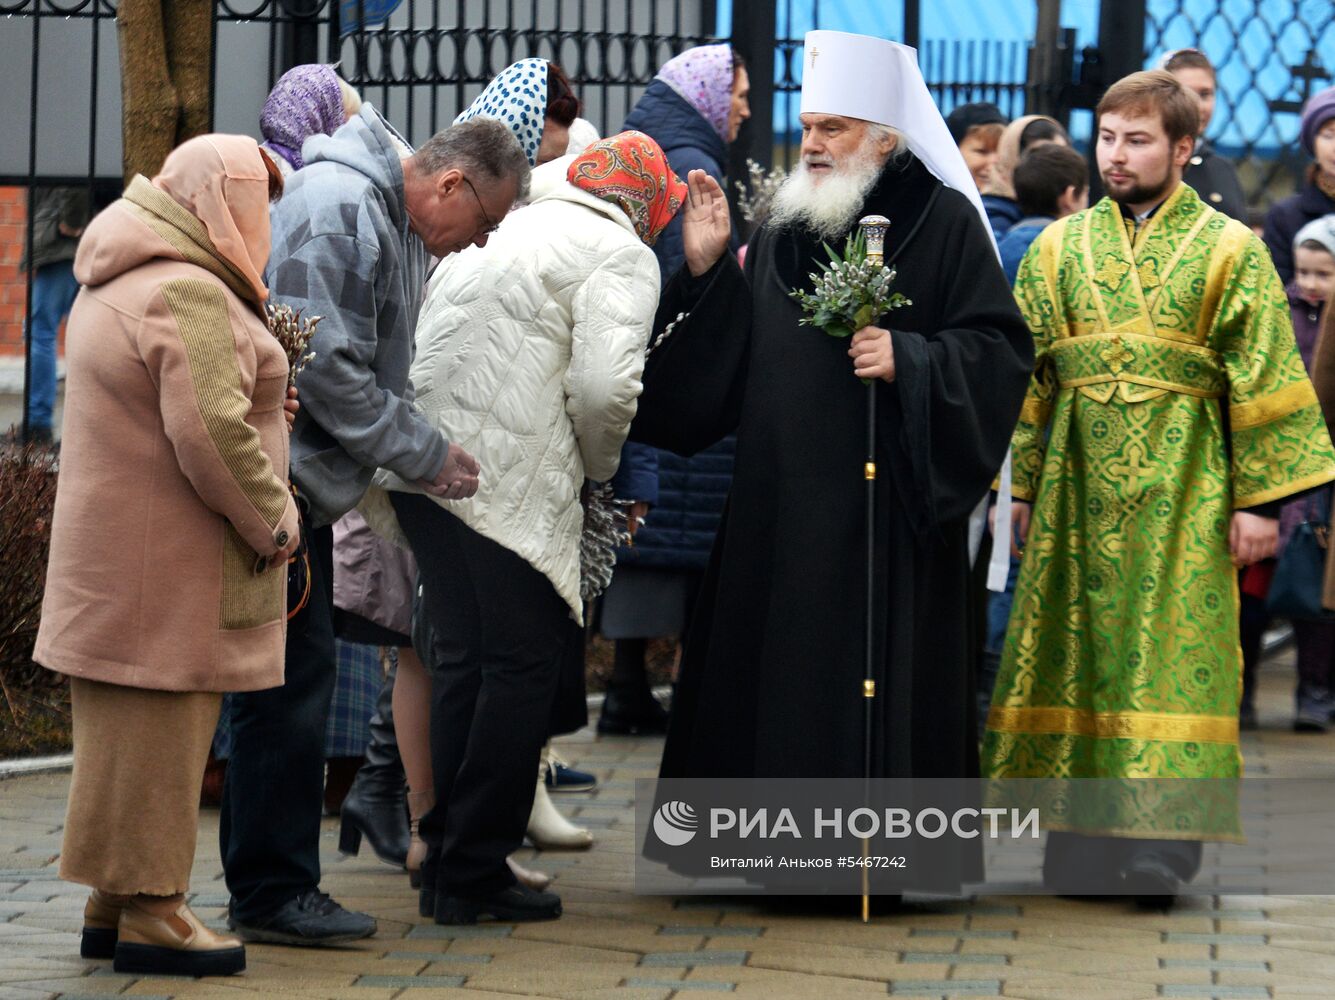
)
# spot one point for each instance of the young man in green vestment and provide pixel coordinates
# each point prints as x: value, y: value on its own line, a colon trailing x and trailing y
x: 1168, y: 411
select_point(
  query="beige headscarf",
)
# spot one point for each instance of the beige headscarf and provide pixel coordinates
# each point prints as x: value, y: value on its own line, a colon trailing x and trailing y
x: 222, y: 181
x: 1008, y: 155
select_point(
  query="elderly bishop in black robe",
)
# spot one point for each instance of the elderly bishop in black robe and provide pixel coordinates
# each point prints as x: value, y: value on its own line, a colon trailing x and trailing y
x: 771, y: 681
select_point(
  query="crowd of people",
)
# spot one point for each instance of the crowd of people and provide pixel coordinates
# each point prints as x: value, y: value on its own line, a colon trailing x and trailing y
x: 518, y: 312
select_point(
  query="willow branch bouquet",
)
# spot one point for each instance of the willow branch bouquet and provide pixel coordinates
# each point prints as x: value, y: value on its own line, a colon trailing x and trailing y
x: 606, y: 527
x: 293, y: 332
x: 756, y: 196
x: 850, y: 291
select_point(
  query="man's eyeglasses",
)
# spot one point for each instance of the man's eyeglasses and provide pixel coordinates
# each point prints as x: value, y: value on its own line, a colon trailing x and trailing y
x: 491, y: 226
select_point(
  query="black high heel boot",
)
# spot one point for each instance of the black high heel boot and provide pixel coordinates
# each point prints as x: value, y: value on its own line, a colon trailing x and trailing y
x: 426, y: 897
x: 376, y: 807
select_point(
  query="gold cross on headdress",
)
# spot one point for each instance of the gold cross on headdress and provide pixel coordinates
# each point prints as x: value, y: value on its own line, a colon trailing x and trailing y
x: 814, y: 53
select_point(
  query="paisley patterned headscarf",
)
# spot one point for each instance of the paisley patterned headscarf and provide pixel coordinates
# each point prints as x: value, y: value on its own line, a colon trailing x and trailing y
x: 630, y: 170
x: 517, y: 98
x: 702, y: 77
x: 305, y: 101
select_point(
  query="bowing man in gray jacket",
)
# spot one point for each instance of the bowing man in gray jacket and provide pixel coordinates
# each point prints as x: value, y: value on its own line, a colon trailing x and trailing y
x: 352, y: 238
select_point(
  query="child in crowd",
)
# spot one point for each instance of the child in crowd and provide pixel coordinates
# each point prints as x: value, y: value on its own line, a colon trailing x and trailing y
x: 1051, y: 182
x: 1313, y: 281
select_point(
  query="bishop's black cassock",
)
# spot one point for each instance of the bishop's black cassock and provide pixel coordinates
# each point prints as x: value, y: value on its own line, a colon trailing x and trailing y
x: 771, y: 675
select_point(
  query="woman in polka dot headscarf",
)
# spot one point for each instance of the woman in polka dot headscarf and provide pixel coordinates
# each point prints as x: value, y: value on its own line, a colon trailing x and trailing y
x: 533, y: 97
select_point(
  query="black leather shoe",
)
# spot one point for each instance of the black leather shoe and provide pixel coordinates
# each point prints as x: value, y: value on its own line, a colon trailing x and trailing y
x: 632, y: 714
x: 310, y: 919
x: 1153, y: 884
x: 377, y: 809
x: 511, y: 905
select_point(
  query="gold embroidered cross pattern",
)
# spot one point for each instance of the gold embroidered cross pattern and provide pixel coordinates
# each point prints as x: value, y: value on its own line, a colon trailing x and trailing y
x: 1119, y: 356
x: 1111, y: 272
x: 1135, y: 469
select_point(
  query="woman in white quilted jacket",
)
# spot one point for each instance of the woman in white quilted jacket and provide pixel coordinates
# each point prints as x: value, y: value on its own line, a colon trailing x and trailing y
x: 529, y: 354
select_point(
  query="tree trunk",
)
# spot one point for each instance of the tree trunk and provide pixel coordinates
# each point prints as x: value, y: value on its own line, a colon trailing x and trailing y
x: 166, y: 62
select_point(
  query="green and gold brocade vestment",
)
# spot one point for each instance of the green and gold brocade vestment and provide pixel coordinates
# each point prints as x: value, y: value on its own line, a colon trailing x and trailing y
x: 1167, y: 393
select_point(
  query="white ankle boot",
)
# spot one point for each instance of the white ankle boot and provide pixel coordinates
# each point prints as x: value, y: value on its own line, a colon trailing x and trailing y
x: 548, y: 829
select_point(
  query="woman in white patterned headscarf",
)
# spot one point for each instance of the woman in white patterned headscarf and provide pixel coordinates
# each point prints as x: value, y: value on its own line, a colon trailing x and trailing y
x: 533, y: 97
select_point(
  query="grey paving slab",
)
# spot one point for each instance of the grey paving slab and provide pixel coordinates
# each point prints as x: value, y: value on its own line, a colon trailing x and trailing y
x: 691, y: 985
x: 411, y: 982
x: 941, y: 987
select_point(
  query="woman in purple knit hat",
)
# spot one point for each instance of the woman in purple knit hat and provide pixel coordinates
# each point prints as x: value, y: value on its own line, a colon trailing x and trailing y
x: 1317, y: 196
x: 307, y: 100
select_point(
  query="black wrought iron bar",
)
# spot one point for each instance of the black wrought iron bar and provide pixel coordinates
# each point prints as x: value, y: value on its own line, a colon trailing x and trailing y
x: 30, y: 222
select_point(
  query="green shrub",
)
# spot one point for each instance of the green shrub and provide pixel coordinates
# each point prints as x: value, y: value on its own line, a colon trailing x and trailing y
x: 34, y: 702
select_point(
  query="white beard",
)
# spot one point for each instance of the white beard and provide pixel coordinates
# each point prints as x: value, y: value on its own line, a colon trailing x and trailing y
x: 829, y: 206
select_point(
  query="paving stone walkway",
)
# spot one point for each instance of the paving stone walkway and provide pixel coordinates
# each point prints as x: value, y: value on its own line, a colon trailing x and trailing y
x: 614, y: 944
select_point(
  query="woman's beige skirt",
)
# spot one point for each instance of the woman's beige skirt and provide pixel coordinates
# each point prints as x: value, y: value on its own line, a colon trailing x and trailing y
x: 139, y: 761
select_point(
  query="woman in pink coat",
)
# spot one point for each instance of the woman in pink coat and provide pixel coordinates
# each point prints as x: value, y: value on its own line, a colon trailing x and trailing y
x: 173, y: 522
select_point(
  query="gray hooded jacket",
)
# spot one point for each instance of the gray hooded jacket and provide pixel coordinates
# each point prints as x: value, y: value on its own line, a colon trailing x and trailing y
x: 342, y: 250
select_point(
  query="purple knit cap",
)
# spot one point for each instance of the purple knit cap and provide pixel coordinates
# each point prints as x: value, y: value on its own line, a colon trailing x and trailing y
x: 702, y: 77
x: 1318, y: 110
x: 305, y: 101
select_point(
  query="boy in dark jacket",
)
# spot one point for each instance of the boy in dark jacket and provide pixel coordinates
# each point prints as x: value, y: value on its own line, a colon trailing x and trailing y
x: 1051, y: 182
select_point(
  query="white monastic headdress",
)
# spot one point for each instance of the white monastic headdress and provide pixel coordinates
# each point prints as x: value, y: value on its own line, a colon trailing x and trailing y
x: 876, y: 80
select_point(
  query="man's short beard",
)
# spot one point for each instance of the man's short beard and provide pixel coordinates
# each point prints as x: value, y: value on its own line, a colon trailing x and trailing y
x: 1142, y: 193
x: 828, y: 208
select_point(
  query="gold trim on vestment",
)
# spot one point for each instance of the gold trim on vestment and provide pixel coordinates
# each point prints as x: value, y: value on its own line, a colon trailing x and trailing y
x: 1153, y: 383
x: 1149, y: 338
x: 1183, y: 246
x: 1170, y: 727
x: 1286, y: 489
x: 1121, y: 370
x: 1049, y: 254
x: 1290, y: 399
x: 1223, y: 260
x: 1035, y: 412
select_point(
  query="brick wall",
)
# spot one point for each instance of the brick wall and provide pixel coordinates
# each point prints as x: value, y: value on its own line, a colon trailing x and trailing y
x: 13, y: 286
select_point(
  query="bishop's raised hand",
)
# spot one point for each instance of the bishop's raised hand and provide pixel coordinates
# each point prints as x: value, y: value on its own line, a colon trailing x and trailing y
x: 705, y: 225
